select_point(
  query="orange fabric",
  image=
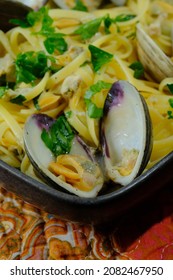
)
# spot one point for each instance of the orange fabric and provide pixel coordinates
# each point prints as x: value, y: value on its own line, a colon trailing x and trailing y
x: 29, y: 233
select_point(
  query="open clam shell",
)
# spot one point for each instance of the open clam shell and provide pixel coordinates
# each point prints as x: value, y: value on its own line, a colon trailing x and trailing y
x: 154, y: 60
x: 87, y: 182
x: 125, y: 138
x: 126, y: 133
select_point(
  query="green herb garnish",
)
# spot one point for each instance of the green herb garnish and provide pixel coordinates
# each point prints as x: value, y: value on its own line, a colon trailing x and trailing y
x: 89, y: 29
x: 79, y: 6
x: 170, y: 114
x: 36, y: 103
x: 171, y: 102
x: 59, y: 137
x: 99, y: 57
x: 55, y: 42
x: 170, y: 87
x: 138, y: 69
x: 33, y: 17
x: 68, y: 114
x: 107, y: 23
x: 123, y: 17
x: 31, y: 66
x: 92, y: 110
x: 18, y: 99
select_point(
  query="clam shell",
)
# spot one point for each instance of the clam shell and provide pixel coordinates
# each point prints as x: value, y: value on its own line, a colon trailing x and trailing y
x: 154, y: 60
x: 40, y: 157
x: 126, y: 133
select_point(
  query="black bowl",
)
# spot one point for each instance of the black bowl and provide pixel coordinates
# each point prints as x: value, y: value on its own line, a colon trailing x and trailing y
x: 98, y: 211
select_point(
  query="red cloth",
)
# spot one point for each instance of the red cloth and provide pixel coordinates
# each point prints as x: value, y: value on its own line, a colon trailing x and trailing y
x: 144, y: 233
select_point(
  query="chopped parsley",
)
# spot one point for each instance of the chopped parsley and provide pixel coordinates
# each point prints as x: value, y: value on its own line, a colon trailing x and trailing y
x: 124, y: 17
x: 99, y: 57
x: 59, y: 137
x: 107, y: 23
x: 170, y: 114
x: 68, y: 114
x: 171, y: 102
x: 170, y: 87
x: 55, y: 42
x: 92, y: 110
x: 138, y: 69
x: 31, y: 66
x: 18, y: 99
x: 36, y: 103
x: 36, y: 16
x: 79, y: 6
x: 89, y: 29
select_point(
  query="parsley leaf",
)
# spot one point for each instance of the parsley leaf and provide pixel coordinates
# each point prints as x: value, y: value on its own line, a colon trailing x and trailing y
x: 170, y: 87
x: 99, y: 57
x: 138, y: 69
x: 21, y: 22
x: 170, y: 114
x: 123, y: 17
x: 92, y: 110
x: 18, y: 99
x: 107, y: 23
x: 79, y: 6
x: 89, y: 29
x: 55, y: 42
x: 36, y: 103
x: 59, y: 137
x: 32, y: 17
x: 171, y: 102
x: 68, y: 114
x: 30, y: 66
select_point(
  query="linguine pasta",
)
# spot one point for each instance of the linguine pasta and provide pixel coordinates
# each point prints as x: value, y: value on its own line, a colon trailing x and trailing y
x: 64, y: 88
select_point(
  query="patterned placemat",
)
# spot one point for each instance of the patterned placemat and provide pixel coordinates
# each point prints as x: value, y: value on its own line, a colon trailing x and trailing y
x: 29, y: 233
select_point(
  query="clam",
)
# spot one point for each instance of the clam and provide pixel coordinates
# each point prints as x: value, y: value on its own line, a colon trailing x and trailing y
x: 75, y: 171
x: 156, y: 63
x: 72, y: 165
x: 126, y: 133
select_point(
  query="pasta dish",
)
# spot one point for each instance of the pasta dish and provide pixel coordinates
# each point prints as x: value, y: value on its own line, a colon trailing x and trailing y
x: 52, y: 60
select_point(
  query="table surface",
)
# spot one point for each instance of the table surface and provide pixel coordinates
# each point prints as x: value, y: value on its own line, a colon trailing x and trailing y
x: 145, y: 233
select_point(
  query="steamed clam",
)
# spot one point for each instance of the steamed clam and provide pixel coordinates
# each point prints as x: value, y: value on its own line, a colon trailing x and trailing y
x: 125, y: 143
x: 71, y: 167
x: 154, y: 60
x: 126, y: 133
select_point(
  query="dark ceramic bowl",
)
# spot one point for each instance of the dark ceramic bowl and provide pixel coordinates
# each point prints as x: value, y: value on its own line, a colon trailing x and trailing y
x: 97, y: 211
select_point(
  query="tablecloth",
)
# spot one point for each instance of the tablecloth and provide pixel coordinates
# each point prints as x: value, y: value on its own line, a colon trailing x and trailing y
x: 144, y: 233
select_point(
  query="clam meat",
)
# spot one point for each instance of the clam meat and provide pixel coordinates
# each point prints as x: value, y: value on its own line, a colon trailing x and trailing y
x: 126, y: 133
x: 65, y: 161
